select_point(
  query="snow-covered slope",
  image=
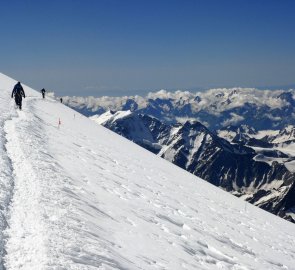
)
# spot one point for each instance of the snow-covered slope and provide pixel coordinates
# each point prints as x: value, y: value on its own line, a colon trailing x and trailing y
x: 79, y: 196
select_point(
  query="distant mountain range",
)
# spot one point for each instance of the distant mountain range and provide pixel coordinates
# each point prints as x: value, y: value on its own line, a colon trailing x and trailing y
x: 240, y: 139
x: 215, y: 108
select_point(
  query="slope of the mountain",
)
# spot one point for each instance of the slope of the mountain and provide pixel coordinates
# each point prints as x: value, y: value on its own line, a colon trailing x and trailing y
x: 215, y: 108
x: 78, y: 196
x: 237, y: 134
x: 258, y: 176
x: 141, y: 129
x: 285, y: 136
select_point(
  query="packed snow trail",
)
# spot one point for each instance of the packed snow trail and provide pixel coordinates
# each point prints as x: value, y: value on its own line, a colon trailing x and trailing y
x: 6, y: 179
x: 82, y: 197
x: 26, y: 233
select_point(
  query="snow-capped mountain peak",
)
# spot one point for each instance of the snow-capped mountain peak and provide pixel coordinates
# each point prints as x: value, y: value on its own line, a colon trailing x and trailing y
x: 215, y: 108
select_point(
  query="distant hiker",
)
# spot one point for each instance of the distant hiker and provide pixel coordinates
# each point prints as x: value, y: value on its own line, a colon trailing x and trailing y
x: 18, y: 93
x: 43, y: 92
x: 61, y: 100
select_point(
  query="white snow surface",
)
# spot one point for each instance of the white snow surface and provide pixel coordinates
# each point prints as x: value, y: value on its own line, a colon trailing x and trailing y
x: 109, y: 116
x: 78, y: 196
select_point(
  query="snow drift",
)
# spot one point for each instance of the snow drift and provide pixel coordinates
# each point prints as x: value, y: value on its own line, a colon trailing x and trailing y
x: 78, y: 196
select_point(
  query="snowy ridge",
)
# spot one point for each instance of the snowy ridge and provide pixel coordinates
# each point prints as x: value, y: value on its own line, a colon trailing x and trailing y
x: 86, y: 198
x: 110, y: 116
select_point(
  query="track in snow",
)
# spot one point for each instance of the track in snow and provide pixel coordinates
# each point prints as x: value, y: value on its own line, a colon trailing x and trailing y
x: 25, y: 233
x: 6, y: 178
x: 44, y: 231
x: 38, y: 208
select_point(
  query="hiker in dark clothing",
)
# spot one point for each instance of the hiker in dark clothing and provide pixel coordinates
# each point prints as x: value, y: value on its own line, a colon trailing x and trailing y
x: 43, y: 92
x: 18, y: 93
x: 60, y: 100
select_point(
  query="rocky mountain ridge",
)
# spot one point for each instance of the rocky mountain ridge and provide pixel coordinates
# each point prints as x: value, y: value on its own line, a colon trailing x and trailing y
x: 257, y: 174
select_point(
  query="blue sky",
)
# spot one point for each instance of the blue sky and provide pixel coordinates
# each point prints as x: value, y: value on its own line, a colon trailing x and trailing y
x: 116, y: 47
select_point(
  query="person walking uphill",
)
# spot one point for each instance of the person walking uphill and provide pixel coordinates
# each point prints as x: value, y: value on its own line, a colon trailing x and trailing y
x: 43, y: 92
x: 18, y: 93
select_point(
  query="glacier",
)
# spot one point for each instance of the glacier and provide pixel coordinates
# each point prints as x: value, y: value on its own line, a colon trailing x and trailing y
x: 75, y: 195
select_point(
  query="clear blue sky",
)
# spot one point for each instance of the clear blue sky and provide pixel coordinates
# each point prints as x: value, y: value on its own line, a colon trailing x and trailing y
x: 122, y: 47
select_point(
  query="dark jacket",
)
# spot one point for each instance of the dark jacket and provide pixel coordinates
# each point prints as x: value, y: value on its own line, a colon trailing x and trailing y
x: 18, y: 91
